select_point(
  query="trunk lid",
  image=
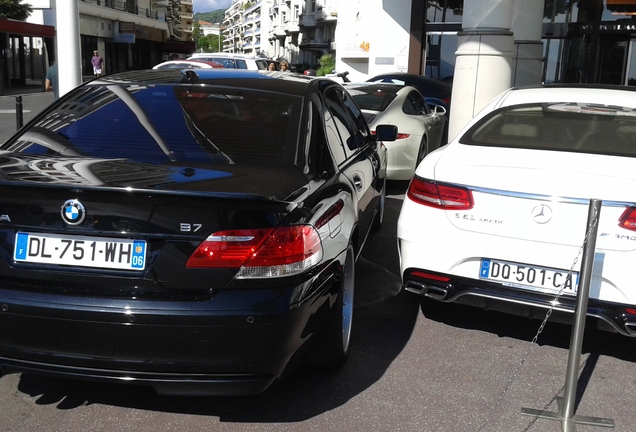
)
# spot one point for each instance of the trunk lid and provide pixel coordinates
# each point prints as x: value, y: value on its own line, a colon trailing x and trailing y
x: 523, y: 194
x: 168, y: 209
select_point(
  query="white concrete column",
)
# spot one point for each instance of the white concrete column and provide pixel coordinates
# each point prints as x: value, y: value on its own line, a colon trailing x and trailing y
x: 69, y: 62
x: 527, y: 23
x: 483, y: 66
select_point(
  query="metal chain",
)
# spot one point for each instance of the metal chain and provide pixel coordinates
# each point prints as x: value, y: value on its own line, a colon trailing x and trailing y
x: 541, y: 327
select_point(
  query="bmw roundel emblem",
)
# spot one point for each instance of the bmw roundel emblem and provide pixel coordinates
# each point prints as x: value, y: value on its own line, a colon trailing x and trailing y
x: 73, y: 212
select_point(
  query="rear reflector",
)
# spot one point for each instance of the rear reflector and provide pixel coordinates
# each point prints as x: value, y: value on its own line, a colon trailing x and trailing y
x: 628, y: 219
x: 430, y: 276
x: 438, y: 195
x: 260, y: 253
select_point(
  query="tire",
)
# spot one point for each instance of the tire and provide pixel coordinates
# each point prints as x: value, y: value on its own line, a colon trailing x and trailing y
x: 331, y: 348
x: 378, y: 220
x: 445, y: 135
x: 422, y: 152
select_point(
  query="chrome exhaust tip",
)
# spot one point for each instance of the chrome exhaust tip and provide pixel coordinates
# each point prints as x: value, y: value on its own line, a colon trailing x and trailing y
x: 630, y: 328
x: 431, y: 291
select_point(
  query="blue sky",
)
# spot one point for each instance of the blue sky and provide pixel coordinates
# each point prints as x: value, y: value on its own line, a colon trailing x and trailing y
x: 210, y: 5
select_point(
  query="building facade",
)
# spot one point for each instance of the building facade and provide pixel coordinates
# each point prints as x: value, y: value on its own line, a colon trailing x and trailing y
x: 246, y: 27
x: 129, y: 34
x: 583, y: 41
x: 298, y: 31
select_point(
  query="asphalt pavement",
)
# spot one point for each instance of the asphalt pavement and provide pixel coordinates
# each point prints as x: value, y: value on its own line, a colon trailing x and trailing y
x: 413, y: 367
x: 30, y: 105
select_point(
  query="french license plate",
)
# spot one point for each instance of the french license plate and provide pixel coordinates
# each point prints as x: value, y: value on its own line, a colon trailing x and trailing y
x: 543, y: 279
x: 80, y: 251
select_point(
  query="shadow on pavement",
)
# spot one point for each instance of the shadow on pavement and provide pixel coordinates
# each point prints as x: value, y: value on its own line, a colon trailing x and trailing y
x: 381, y: 331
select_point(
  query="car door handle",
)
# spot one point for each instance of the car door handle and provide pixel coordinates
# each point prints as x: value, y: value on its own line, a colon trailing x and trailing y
x: 357, y: 181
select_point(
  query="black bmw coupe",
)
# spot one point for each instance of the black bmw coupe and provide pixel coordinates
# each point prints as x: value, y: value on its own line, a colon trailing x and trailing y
x: 195, y: 231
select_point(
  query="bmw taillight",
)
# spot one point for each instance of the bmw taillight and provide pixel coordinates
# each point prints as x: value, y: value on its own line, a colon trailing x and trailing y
x: 628, y: 219
x: 260, y: 253
x: 440, y: 195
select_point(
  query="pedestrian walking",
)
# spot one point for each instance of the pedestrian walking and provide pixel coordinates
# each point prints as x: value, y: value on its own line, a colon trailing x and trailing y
x: 52, y: 82
x: 98, y: 64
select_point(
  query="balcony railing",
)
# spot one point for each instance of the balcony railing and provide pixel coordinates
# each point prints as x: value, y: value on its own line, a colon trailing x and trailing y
x: 122, y: 6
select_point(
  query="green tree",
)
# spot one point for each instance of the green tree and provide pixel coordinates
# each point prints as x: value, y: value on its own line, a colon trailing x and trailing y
x: 327, y: 65
x: 14, y: 9
x: 196, y: 31
x: 215, y: 16
x: 203, y: 44
x: 216, y: 43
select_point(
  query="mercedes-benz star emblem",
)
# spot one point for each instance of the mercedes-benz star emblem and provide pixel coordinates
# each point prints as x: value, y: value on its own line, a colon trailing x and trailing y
x: 542, y: 214
x: 73, y: 212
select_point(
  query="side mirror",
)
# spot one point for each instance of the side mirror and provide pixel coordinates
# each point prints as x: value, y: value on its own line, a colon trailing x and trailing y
x: 386, y: 132
x: 439, y: 110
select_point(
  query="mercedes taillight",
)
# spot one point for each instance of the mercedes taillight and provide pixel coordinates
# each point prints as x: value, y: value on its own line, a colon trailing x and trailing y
x: 628, y: 219
x: 440, y: 195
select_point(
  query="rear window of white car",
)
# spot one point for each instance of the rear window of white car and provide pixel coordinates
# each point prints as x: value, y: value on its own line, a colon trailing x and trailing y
x: 574, y: 127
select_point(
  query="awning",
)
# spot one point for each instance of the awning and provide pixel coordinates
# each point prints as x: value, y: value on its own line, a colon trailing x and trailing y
x: 180, y: 47
x: 26, y: 29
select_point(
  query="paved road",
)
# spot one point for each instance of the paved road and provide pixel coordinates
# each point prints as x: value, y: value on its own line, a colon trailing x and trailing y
x: 32, y: 104
x: 429, y: 367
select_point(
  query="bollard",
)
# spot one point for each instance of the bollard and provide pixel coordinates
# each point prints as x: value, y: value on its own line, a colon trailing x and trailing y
x: 566, y: 404
x: 18, y: 112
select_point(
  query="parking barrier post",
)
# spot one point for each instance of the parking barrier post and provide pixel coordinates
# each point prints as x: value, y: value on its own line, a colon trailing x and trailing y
x: 566, y: 404
x: 18, y: 112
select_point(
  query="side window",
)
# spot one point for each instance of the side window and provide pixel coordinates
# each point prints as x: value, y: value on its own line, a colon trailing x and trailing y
x: 357, y: 118
x: 415, y: 104
x: 241, y: 64
x: 333, y: 139
x: 227, y: 63
x: 341, y: 119
x: 261, y: 64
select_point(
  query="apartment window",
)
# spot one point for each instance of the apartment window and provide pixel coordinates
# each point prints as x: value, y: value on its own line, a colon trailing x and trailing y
x: 313, y: 5
x: 296, y: 11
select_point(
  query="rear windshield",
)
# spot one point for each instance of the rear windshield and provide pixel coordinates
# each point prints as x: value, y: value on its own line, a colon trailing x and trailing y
x: 575, y: 127
x: 228, y: 63
x: 162, y: 123
x: 371, y: 98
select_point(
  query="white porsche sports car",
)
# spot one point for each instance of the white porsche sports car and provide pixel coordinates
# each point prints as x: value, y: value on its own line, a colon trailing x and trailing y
x: 498, y: 217
x: 420, y: 128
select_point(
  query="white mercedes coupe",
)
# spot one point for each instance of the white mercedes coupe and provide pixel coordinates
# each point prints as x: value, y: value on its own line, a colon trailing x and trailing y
x: 498, y: 217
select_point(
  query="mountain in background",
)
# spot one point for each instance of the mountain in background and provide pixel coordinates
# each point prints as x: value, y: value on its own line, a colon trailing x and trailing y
x: 211, y: 17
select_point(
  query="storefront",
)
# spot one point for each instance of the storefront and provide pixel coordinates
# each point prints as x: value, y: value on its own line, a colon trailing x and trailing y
x: 24, y: 49
x: 585, y: 41
x: 591, y: 42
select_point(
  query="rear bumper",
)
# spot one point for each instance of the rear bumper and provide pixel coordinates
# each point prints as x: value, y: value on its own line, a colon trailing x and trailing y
x: 164, y: 384
x: 495, y: 296
x: 236, y: 343
x: 402, y: 158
